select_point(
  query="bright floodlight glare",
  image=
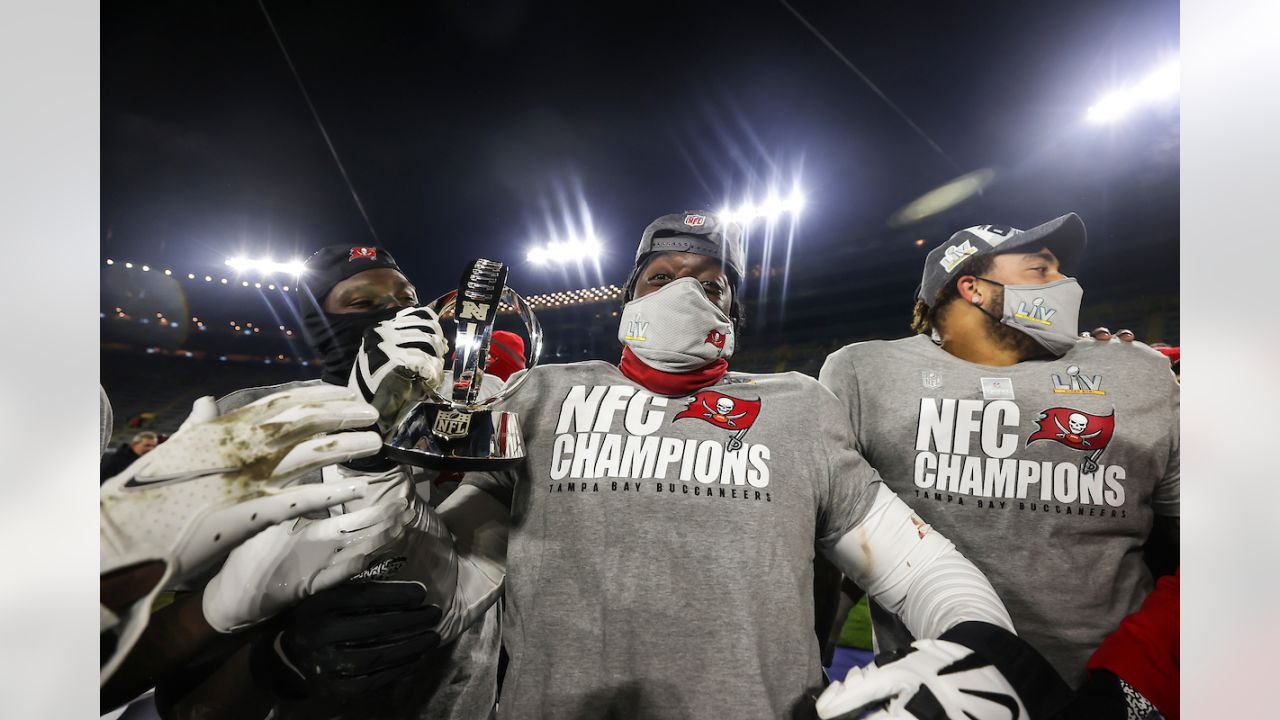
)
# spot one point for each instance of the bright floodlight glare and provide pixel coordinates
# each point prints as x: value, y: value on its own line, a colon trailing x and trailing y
x: 1113, y: 106
x: 589, y: 246
x: 565, y: 251
x: 265, y: 265
x: 795, y: 202
x: 1161, y: 84
x: 771, y: 208
x: 1164, y: 82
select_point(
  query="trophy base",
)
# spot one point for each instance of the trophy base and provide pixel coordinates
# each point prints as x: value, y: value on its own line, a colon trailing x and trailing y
x: 438, y: 437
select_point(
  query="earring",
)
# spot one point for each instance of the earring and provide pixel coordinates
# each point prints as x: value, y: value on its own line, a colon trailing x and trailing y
x: 976, y: 300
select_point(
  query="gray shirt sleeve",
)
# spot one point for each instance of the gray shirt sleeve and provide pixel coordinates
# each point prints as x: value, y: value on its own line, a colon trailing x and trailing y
x: 840, y: 376
x: 845, y: 497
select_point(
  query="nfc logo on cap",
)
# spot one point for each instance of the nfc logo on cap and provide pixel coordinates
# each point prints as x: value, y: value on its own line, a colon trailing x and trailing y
x: 695, y: 220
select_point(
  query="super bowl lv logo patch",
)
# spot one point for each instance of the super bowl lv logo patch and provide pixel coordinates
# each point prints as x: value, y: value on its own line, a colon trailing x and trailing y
x: 730, y: 413
x: 1079, y: 430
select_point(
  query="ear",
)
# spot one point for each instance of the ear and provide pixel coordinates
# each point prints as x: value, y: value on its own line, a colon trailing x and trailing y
x: 970, y: 291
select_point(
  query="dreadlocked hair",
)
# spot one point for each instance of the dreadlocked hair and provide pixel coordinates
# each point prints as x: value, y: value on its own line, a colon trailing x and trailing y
x: 924, y: 316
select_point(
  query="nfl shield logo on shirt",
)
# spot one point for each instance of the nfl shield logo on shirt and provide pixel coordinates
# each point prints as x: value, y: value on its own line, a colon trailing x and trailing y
x: 931, y: 379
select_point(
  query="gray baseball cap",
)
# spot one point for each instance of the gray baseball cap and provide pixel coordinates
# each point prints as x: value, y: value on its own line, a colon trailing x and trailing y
x: 695, y: 231
x: 1064, y: 236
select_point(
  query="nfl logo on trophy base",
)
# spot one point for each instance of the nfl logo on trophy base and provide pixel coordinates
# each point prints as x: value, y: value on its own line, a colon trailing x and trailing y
x: 452, y: 424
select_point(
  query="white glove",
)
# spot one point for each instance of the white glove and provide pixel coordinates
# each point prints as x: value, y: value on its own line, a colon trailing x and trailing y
x: 934, y: 680
x: 218, y: 480
x: 399, y: 360
x: 287, y: 562
x: 461, y: 579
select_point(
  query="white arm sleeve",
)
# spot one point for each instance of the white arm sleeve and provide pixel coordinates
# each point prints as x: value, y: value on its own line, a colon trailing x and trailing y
x: 913, y: 571
x: 470, y: 527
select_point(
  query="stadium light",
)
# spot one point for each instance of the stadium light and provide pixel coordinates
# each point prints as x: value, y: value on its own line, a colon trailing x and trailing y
x: 565, y: 251
x: 1164, y: 82
x: 1159, y: 85
x: 770, y: 210
x: 264, y: 266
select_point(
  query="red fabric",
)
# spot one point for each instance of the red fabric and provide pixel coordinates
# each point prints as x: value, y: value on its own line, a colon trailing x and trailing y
x: 1144, y: 649
x: 506, y: 354
x: 672, y: 384
x: 1174, y: 354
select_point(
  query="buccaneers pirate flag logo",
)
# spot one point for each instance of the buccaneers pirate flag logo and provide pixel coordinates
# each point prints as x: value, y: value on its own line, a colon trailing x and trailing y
x: 1078, y: 430
x: 723, y: 411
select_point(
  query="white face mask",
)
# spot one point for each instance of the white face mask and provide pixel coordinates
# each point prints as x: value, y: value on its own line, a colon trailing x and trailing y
x: 677, y: 328
x: 1049, y: 313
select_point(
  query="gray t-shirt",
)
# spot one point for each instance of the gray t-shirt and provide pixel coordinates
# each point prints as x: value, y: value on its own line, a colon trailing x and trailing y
x: 1000, y: 461
x: 458, y: 682
x: 653, y: 572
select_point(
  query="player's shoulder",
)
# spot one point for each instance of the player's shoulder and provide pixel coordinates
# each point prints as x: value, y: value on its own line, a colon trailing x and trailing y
x: 792, y: 384
x: 1133, y: 357
x: 544, y: 377
x: 869, y: 351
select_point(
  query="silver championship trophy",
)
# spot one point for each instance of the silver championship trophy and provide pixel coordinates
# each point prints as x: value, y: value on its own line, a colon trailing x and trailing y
x: 463, y: 432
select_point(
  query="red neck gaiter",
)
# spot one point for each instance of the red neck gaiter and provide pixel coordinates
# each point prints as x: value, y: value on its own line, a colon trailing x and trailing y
x: 670, y: 384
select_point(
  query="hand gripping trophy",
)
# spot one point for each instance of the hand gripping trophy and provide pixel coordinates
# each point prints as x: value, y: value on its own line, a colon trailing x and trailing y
x: 463, y: 432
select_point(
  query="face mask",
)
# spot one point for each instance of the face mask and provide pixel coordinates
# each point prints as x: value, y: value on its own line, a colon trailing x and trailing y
x: 337, y: 338
x: 1048, y: 313
x: 676, y: 329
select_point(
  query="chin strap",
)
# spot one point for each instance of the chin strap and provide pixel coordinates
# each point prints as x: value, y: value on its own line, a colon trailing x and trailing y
x: 668, y: 383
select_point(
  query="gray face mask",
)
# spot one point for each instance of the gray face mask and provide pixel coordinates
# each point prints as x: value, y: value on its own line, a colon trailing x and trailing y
x: 676, y: 329
x: 1049, y: 313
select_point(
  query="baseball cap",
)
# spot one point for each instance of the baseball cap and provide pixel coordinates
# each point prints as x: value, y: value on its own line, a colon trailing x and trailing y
x: 694, y: 231
x: 332, y: 264
x: 1065, y: 236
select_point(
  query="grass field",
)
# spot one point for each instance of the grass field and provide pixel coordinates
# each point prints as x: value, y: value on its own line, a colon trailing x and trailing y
x: 857, y: 628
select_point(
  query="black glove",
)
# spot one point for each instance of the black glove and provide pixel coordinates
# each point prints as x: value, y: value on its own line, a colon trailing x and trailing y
x: 347, y: 641
x: 1105, y: 696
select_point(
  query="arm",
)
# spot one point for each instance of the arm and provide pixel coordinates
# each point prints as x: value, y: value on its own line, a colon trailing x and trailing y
x: 219, y: 480
x: 915, y: 572
x: 968, y: 662
x: 467, y: 544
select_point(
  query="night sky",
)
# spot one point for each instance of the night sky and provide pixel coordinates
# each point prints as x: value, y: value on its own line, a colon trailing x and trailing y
x: 477, y: 128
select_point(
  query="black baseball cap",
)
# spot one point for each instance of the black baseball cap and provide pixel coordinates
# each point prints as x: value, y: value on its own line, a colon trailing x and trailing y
x: 1065, y: 236
x: 332, y: 264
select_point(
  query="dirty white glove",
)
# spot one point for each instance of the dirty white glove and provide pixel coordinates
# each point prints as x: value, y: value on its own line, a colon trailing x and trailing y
x: 218, y: 480
x: 932, y: 680
x: 298, y: 558
x: 399, y: 360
